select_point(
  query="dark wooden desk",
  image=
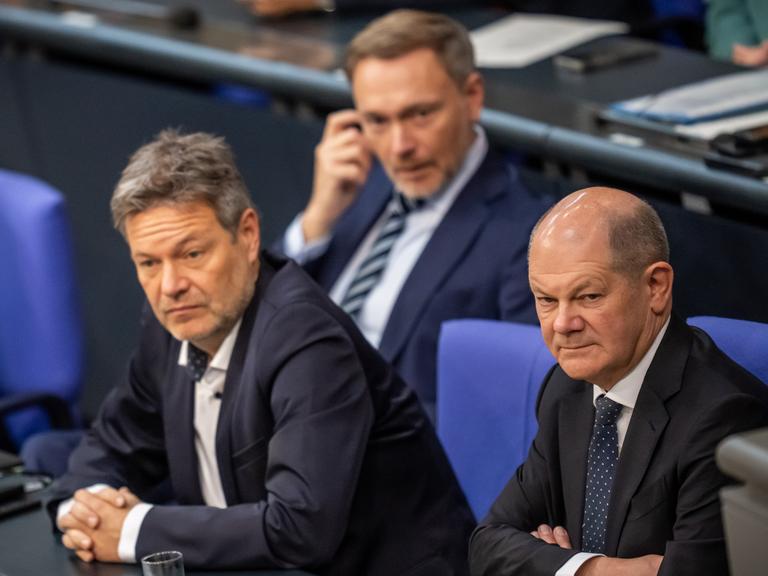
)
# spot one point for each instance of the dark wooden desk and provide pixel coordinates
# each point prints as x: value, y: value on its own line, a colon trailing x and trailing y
x: 28, y: 548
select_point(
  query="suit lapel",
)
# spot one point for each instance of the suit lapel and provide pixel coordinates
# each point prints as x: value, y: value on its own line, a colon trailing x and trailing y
x: 646, y: 427
x: 354, y: 226
x: 232, y: 384
x: 180, y: 435
x: 223, y: 426
x: 649, y: 419
x: 451, y: 239
x: 577, y: 414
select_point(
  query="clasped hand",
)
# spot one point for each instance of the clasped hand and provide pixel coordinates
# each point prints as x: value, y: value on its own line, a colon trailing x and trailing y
x: 93, y: 525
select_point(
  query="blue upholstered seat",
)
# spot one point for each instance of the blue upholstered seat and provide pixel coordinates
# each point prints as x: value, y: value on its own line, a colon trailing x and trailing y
x: 489, y: 373
x: 744, y: 341
x: 41, y: 343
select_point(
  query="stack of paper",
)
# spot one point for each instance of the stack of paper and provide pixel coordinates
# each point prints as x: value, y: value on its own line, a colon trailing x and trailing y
x: 522, y: 39
x: 729, y: 125
x: 728, y: 95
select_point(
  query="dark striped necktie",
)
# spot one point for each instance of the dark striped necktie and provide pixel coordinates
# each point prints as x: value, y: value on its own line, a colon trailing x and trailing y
x: 601, y: 469
x: 373, y: 266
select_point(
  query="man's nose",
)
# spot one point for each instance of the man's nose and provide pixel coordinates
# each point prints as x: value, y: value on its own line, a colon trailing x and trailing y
x: 174, y: 282
x: 403, y: 142
x: 567, y: 320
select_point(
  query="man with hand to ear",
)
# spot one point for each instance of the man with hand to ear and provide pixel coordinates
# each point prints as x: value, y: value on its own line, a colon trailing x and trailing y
x: 413, y: 218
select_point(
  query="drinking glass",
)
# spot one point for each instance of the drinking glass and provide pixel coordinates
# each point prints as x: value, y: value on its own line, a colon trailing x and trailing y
x: 170, y: 563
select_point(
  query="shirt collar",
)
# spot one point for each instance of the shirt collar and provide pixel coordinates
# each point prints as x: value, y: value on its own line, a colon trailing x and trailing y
x: 626, y: 390
x: 220, y: 360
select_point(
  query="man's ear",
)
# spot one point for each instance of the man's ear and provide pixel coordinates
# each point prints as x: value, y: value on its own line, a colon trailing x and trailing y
x: 659, y: 277
x: 474, y: 92
x: 249, y: 231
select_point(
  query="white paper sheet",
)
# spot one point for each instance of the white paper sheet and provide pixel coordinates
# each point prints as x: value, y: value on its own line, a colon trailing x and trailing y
x: 522, y: 39
x: 708, y: 130
x: 704, y: 101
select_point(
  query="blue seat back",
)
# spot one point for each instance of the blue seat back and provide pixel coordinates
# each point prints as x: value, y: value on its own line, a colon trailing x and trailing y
x: 489, y: 374
x: 41, y: 341
x: 744, y: 341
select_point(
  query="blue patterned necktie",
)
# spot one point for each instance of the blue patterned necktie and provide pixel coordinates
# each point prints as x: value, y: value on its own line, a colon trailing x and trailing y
x: 601, y: 469
x: 373, y: 266
x: 197, y: 361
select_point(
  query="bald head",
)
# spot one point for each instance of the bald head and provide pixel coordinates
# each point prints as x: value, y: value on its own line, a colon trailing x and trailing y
x: 628, y: 224
x: 597, y: 265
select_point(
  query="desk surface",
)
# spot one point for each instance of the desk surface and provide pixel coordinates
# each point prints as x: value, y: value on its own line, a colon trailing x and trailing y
x: 28, y: 548
x: 535, y: 109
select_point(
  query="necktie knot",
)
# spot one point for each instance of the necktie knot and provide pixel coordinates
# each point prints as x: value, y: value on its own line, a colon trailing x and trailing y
x: 405, y: 205
x: 606, y: 410
x: 197, y: 361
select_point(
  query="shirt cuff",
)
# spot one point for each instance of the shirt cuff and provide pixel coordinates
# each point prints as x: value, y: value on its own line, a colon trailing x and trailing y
x: 297, y: 248
x: 66, y: 505
x: 574, y: 563
x: 126, y: 548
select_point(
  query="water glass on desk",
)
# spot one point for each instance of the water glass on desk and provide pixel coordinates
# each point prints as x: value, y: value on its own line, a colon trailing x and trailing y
x: 163, y: 564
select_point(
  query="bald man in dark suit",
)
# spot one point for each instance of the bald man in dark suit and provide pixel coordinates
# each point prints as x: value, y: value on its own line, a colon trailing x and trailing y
x: 621, y: 477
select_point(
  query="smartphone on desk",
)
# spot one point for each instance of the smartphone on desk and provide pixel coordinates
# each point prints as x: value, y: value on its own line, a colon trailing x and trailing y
x: 603, y: 56
x: 742, y: 143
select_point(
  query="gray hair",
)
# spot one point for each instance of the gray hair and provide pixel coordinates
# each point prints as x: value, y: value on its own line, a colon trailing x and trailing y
x: 637, y: 239
x: 177, y: 168
x: 403, y: 31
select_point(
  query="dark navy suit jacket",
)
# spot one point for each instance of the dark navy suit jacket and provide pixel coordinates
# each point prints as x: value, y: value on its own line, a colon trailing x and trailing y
x: 326, y: 458
x: 665, y: 492
x: 474, y: 266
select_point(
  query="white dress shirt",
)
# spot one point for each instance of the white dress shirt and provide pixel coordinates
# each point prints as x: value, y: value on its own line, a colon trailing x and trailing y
x: 208, y: 392
x: 419, y: 227
x: 624, y: 392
